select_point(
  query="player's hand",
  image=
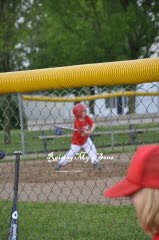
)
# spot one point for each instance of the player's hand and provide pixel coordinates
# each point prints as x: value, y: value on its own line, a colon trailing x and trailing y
x: 88, y: 132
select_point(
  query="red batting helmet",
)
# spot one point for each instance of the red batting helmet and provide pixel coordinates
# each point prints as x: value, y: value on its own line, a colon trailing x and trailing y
x: 78, y: 108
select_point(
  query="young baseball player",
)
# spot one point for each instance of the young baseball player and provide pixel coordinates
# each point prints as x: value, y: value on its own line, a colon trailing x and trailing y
x: 81, y: 138
x: 142, y: 185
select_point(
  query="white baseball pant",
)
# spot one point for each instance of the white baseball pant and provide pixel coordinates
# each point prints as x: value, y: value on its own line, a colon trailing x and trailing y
x: 88, y: 147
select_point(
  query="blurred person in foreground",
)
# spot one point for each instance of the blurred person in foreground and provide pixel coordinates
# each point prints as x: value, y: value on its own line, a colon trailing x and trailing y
x: 141, y: 185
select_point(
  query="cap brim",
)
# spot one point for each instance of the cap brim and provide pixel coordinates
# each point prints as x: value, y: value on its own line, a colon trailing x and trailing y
x: 122, y: 189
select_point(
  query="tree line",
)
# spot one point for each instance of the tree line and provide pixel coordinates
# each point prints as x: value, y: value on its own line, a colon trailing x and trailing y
x: 47, y: 33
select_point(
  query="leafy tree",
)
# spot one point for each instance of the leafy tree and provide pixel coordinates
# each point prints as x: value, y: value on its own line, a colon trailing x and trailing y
x: 8, y: 39
x: 143, y: 26
x: 14, y: 26
x: 86, y: 31
x: 58, y: 33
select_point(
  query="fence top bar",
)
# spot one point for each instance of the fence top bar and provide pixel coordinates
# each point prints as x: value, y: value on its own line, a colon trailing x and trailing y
x: 99, y: 74
x: 88, y: 97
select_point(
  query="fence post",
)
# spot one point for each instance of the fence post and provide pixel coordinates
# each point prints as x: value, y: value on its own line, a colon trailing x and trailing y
x: 111, y: 127
x: 21, y: 124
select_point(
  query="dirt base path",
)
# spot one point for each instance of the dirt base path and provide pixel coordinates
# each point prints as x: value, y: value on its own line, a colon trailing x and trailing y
x: 76, y: 182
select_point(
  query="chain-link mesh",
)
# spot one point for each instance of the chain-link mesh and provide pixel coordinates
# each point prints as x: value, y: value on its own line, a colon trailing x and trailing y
x: 66, y: 201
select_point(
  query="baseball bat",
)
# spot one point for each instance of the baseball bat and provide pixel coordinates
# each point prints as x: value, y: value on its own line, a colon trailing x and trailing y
x: 66, y: 128
x: 13, y: 232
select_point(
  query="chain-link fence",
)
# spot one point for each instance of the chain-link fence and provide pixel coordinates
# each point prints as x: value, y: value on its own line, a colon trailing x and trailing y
x: 67, y: 202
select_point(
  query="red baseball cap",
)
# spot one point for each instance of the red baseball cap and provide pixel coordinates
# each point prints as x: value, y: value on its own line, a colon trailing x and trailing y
x: 143, y: 172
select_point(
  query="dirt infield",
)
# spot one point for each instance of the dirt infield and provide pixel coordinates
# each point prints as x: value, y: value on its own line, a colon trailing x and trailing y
x: 77, y: 182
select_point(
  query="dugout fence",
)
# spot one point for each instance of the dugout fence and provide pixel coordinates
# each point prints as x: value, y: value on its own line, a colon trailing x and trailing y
x: 123, y: 100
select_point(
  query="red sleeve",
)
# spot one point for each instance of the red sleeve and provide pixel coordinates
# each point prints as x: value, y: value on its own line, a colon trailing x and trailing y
x: 90, y: 121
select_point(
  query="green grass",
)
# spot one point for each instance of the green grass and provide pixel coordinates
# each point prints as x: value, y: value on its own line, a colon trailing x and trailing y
x: 53, y: 221
x: 35, y: 145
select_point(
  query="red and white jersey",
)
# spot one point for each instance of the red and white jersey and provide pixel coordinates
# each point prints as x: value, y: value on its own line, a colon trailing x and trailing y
x: 86, y: 124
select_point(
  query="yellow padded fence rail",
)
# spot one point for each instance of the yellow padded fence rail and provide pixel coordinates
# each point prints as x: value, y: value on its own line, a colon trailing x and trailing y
x: 88, y: 98
x: 100, y: 74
